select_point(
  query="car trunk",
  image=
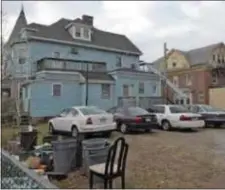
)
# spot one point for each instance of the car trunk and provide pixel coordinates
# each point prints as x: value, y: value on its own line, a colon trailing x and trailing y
x: 101, y: 119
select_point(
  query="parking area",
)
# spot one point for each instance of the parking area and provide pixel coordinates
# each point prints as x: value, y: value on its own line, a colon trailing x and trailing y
x: 176, y: 159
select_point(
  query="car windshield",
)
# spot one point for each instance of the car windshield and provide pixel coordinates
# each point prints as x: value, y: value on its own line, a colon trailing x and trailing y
x: 208, y: 108
x: 92, y: 111
x: 178, y: 109
x: 136, y: 111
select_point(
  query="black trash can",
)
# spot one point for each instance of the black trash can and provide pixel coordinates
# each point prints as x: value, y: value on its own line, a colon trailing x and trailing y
x: 28, y: 140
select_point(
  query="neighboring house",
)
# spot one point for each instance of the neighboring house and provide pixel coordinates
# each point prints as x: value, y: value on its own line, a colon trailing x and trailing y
x: 51, y: 64
x: 198, y: 73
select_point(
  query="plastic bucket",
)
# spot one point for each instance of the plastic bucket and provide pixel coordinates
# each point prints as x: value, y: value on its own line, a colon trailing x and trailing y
x: 28, y: 140
x: 64, y: 155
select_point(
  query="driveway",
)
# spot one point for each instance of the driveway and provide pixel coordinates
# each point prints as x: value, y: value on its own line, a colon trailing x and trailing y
x: 170, y: 160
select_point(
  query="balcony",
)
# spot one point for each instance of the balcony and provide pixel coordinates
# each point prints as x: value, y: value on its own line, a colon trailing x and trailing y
x: 57, y: 64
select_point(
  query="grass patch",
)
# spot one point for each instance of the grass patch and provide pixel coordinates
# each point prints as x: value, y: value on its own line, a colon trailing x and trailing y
x: 11, y: 133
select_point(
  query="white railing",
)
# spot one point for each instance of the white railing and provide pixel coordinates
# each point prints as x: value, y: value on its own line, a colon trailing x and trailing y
x: 168, y: 82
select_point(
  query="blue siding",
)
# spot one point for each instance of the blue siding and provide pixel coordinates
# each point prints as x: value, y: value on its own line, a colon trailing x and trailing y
x: 95, y: 99
x: 40, y: 50
x: 44, y: 104
x: 151, y: 87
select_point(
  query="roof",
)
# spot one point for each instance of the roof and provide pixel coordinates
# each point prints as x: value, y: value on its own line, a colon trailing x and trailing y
x: 97, y: 75
x: 99, y: 37
x: 195, y: 56
x: 130, y: 70
x: 21, y: 22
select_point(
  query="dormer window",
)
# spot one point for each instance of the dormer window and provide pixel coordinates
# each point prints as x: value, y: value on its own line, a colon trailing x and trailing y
x: 79, y: 31
x: 86, y: 33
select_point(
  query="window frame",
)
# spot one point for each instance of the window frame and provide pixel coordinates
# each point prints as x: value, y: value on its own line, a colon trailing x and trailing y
x: 56, y: 53
x: 188, y: 80
x: 141, y: 89
x: 128, y: 91
x: 103, y: 94
x: 53, y: 84
x: 214, y: 77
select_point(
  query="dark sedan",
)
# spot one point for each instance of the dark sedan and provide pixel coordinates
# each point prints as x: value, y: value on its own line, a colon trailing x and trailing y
x: 133, y: 119
x: 211, y: 115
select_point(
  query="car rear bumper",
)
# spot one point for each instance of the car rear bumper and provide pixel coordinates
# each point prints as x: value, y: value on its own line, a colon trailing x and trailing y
x: 134, y: 126
x: 189, y: 124
x: 96, y: 128
x: 215, y: 121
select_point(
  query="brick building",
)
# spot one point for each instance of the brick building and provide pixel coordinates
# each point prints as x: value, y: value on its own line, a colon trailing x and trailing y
x: 199, y: 73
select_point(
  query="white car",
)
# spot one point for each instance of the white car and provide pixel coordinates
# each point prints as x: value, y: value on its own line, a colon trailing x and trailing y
x: 176, y: 116
x: 83, y: 119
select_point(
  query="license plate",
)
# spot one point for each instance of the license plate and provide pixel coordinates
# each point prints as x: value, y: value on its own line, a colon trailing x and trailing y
x: 103, y: 120
x: 147, y: 119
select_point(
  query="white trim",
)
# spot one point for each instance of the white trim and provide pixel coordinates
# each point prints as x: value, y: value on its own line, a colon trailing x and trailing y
x: 99, y: 81
x: 83, y: 45
x: 59, y: 72
x: 61, y: 85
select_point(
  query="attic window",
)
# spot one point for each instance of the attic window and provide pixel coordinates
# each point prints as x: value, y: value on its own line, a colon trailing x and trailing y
x: 78, y: 33
x: 174, y: 64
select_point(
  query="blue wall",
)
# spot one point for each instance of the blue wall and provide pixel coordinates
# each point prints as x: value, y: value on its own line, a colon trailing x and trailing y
x: 151, y: 85
x: 95, y: 99
x: 39, y: 50
x: 44, y: 104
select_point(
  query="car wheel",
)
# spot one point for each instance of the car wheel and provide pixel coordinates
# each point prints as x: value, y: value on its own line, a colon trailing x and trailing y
x: 148, y: 130
x: 123, y: 128
x: 74, y: 132
x: 166, y: 125
x: 51, y: 129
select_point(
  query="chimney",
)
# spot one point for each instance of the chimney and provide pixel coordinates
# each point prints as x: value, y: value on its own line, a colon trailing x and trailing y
x: 88, y: 19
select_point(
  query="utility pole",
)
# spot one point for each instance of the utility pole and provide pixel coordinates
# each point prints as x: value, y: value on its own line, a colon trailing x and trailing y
x: 165, y: 73
x: 86, y: 83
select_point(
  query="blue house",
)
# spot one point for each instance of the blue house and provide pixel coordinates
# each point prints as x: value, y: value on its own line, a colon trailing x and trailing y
x: 70, y: 62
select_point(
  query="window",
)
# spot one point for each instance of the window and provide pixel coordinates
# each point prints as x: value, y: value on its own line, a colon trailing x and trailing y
x: 22, y: 60
x: 214, y: 57
x: 73, y: 112
x: 214, y: 77
x: 112, y: 110
x: 125, y: 90
x: 141, y: 87
x: 86, y: 33
x: 56, y: 55
x: 159, y: 109
x: 78, y: 32
x: 64, y: 112
x: 201, y: 97
x: 188, y: 79
x: 118, y: 61
x: 175, y: 81
x: 22, y: 56
x: 195, y: 109
x: 218, y: 58
x: 74, y: 50
x: 178, y: 109
x: 56, y: 89
x: 91, y: 111
x: 154, y: 89
x: 133, y: 111
x: 133, y: 66
x: 105, y: 91
x: 174, y: 64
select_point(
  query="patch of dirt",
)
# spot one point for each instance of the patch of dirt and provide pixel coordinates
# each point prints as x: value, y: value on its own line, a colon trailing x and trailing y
x: 168, y: 160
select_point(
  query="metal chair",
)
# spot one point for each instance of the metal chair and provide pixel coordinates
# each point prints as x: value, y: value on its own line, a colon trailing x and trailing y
x: 114, y: 167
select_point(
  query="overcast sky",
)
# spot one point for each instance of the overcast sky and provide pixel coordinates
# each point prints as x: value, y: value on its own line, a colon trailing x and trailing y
x: 183, y: 25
